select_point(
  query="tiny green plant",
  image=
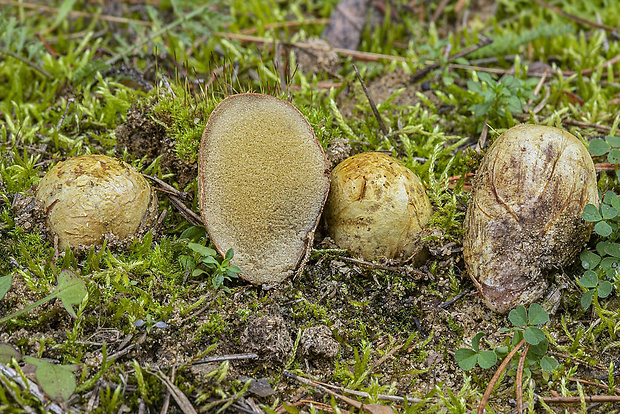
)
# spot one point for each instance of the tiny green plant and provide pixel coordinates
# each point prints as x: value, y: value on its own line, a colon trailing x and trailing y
x: 526, y: 327
x: 71, y: 290
x: 467, y: 358
x: 610, y: 145
x: 221, y: 269
x: 500, y: 99
x: 601, y: 266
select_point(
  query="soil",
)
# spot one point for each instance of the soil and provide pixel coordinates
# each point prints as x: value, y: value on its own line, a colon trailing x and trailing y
x: 143, y: 137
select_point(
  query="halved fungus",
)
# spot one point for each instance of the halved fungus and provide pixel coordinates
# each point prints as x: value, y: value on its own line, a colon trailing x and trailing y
x: 524, y: 214
x: 263, y: 181
x: 92, y: 196
x: 376, y: 207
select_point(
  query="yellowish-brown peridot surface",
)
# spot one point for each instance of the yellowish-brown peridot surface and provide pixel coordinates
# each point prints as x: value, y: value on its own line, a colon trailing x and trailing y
x: 90, y: 196
x: 524, y: 215
x: 376, y: 207
x: 263, y: 181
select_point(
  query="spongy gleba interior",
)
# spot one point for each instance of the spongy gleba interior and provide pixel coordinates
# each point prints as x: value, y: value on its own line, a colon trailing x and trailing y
x: 263, y: 182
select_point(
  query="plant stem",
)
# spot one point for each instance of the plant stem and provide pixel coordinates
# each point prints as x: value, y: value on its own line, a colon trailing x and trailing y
x: 498, y: 373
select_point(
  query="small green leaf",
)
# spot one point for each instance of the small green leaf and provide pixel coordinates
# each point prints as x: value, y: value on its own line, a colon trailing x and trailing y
x: 501, y: 351
x: 518, y: 316
x: 589, y: 279
x: 537, y: 315
x: 57, y: 381
x: 5, y: 285
x: 589, y: 260
x: 466, y: 358
x: 602, y: 229
x: 229, y: 254
x: 475, y: 341
x: 586, y: 299
x: 604, y: 289
x: 209, y: 260
x: 539, y: 349
x: 197, y: 272
x: 613, y: 249
x: 591, y: 213
x: 234, y: 269
x: 614, y: 156
x: 610, y: 263
x: 202, y: 250
x: 613, y: 141
x: 193, y: 233
x: 608, y: 212
x: 599, y: 147
x: 7, y: 352
x: 486, y: 359
x: 612, y: 199
x: 533, y: 335
x: 548, y: 364
x: 71, y: 290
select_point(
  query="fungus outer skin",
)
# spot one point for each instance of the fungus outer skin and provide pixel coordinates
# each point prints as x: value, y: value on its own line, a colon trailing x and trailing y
x: 89, y: 196
x: 376, y: 207
x: 524, y: 215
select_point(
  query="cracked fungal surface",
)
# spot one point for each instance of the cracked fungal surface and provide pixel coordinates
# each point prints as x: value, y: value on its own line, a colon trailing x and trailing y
x: 524, y: 216
x: 376, y: 207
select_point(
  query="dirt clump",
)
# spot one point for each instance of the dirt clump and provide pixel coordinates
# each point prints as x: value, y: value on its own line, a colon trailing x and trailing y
x: 268, y: 337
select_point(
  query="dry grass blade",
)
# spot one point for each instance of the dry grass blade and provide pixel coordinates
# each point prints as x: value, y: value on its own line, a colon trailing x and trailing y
x: 181, y: 399
x: 369, y: 408
x: 498, y: 373
x: 519, y: 379
x: 375, y: 111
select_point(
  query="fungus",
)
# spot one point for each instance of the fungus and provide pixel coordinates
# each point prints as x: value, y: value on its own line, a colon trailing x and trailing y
x: 263, y: 181
x: 524, y: 214
x: 88, y: 197
x: 376, y: 207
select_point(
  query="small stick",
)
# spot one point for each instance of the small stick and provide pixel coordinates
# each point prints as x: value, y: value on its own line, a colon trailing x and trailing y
x: 393, y: 398
x: 442, y: 5
x: 64, y: 115
x: 595, y: 384
x: 454, y: 299
x: 498, y: 373
x: 577, y: 19
x: 167, y: 187
x: 26, y: 61
x: 185, y: 211
x: 519, y: 379
x: 233, y: 357
x: 606, y: 167
x: 425, y: 70
x: 375, y: 111
x: 577, y: 400
x: 601, y: 128
x: 580, y: 361
x: 75, y: 13
x: 370, y: 408
x: 288, y: 25
x: 355, y: 54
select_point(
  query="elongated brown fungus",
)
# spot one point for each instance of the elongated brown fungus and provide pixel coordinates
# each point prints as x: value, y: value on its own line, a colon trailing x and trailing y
x: 263, y: 182
x: 524, y: 214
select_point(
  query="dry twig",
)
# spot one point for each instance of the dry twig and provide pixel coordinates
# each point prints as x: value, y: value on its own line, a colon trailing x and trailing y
x: 498, y: 373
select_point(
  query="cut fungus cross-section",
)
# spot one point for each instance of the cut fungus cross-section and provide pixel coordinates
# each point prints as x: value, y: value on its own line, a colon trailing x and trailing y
x: 263, y: 182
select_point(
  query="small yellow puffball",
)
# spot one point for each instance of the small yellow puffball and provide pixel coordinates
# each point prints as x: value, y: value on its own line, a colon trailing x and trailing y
x: 376, y: 207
